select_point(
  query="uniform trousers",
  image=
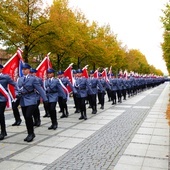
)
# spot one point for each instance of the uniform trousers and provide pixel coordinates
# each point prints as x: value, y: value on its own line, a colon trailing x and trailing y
x: 36, y: 113
x: 101, y: 98
x: 52, y: 112
x: 63, y: 105
x: 28, y: 116
x: 2, y: 117
x: 93, y: 101
x: 16, y: 110
x: 82, y: 105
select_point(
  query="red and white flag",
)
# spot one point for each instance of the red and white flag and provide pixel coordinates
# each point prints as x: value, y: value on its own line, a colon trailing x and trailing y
x: 12, y: 68
x: 6, y: 95
x: 104, y: 75
x: 85, y: 72
x: 68, y: 73
x: 43, y: 67
x: 96, y: 74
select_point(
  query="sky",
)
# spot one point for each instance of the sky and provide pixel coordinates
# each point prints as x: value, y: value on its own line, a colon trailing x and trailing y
x: 135, y: 22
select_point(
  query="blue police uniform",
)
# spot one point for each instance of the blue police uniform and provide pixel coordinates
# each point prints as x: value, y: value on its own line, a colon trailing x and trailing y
x: 62, y: 100
x: 36, y: 114
x: 53, y: 90
x: 4, y: 81
x: 95, y: 85
x: 82, y: 86
x: 28, y: 85
x: 101, y: 93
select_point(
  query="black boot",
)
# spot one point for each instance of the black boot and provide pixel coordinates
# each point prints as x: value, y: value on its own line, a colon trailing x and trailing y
x: 82, y: 116
x: 2, y: 135
x: 85, y: 116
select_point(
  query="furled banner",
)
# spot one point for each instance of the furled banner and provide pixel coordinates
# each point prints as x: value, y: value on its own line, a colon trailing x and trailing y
x: 13, y: 68
x: 43, y: 67
x: 68, y: 73
x: 85, y: 72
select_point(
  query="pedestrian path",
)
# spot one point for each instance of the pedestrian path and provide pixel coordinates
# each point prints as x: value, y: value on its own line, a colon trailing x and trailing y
x: 130, y: 135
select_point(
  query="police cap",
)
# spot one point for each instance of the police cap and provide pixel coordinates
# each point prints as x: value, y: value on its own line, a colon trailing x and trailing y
x: 79, y: 71
x: 50, y: 70
x: 60, y: 72
x: 91, y: 71
x: 32, y: 70
x: 26, y: 66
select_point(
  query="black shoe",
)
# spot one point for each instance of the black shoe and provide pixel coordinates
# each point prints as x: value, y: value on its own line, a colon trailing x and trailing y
x: 81, y: 117
x: 17, y: 123
x: 62, y: 116
x: 113, y: 103
x: 85, y: 118
x: 53, y: 127
x: 2, y: 135
x: 30, y: 137
x: 94, y: 111
x: 102, y: 107
x: 60, y: 111
x: 67, y: 114
x: 37, y: 123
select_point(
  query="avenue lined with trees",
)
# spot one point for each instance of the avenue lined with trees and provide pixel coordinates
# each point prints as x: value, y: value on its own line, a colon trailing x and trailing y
x: 70, y: 37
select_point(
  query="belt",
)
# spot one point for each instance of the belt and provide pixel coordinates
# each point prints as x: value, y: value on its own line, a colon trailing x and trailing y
x: 29, y: 92
x: 53, y: 92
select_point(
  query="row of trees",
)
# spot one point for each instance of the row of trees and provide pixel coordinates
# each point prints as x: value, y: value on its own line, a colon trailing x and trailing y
x: 166, y: 44
x: 68, y: 35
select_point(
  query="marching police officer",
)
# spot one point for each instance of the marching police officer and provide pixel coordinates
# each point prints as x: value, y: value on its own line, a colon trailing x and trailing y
x: 27, y: 86
x: 101, y: 93
x: 82, y: 85
x: 62, y: 100
x: 114, y: 88
x: 4, y: 81
x: 95, y: 85
x: 53, y: 88
x: 36, y: 114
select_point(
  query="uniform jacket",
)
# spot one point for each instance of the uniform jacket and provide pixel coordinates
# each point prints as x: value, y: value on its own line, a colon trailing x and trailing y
x: 54, y: 89
x: 82, y: 86
x: 4, y: 81
x: 114, y: 84
x: 105, y: 86
x: 27, y: 90
x: 95, y: 84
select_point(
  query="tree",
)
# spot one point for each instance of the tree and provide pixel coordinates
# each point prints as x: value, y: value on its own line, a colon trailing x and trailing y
x: 23, y: 24
x: 166, y: 44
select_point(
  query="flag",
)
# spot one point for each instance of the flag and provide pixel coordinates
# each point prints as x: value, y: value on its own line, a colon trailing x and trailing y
x: 85, y: 72
x: 12, y: 68
x: 6, y: 95
x: 104, y: 75
x: 43, y: 67
x: 110, y: 72
x: 96, y: 73
x: 68, y: 73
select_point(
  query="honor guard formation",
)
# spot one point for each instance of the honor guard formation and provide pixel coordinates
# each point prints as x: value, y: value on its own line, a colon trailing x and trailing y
x: 31, y: 90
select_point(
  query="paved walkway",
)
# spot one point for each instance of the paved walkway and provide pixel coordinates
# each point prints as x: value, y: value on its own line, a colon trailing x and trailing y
x: 133, y: 135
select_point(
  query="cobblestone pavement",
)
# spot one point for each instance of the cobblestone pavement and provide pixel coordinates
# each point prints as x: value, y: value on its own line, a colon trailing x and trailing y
x: 103, y: 149
x: 94, y: 144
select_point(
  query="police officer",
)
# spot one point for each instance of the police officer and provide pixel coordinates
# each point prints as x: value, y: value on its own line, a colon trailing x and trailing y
x: 95, y: 85
x: 53, y: 88
x: 74, y: 94
x: 4, y: 81
x: 62, y: 100
x: 114, y: 88
x: 28, y: 100
x: 101, y: 93
x: 82, y: 85
x: 36, y: 114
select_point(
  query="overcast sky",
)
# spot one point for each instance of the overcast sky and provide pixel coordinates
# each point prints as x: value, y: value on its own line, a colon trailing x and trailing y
x: 136, y: 23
